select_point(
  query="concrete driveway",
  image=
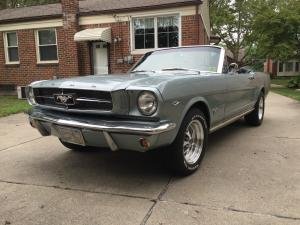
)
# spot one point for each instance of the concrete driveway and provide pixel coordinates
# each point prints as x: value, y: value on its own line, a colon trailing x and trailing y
x: 249, y: 176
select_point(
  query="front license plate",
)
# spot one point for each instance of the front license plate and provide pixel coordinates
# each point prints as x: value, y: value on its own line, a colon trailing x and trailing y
x: 70, y: 135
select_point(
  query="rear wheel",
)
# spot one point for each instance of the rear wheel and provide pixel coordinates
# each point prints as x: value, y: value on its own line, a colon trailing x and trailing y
x: 189, y: 147
x: 256, y: 117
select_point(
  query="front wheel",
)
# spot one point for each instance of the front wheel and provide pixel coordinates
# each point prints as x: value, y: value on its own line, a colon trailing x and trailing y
x: 256, y: 117
x: 188, y: 149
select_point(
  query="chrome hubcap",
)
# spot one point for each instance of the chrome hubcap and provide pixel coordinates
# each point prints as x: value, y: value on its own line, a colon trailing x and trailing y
x: 193, y: 142
x: 261, y: 108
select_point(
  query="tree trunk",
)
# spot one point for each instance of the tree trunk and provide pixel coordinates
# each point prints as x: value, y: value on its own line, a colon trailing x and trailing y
x: 3, y: 4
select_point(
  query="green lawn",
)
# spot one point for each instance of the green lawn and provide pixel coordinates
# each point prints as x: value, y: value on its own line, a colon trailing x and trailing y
x: 288, y: 92
x: 291, y: 93
x: 281, y: 81
x: 11, y: 105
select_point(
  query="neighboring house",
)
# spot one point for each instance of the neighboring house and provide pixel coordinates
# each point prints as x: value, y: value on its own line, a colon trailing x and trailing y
x: 93, y: 36
x: 278, y: 68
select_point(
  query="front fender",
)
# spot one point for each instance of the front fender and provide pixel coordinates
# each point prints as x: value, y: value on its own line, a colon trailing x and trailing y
x: 193, y: 102
x: 177, y: 113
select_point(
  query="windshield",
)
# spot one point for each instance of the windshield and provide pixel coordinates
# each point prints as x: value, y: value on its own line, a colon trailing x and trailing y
x: 196, y: 58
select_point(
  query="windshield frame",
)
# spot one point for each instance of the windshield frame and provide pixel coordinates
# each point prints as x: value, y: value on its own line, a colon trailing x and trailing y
x: 220, y: 63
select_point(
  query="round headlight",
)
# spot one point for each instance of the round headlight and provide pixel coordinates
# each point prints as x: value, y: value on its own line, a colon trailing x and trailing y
x: 30, y: 96
x: 147, y: 103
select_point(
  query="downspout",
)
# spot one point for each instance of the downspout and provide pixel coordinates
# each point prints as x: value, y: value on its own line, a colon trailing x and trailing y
x: 198, y: 24
x: 198, y: 20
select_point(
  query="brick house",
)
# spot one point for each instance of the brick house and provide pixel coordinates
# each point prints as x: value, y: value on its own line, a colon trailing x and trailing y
x: 76, y: 38
x: 280, y: 68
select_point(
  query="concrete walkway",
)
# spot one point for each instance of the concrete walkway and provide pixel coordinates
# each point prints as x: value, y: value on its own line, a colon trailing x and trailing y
x: 249, y: 176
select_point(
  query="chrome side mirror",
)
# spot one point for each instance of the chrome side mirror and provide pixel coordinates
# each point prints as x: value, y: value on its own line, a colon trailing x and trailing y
x: 233, y: 68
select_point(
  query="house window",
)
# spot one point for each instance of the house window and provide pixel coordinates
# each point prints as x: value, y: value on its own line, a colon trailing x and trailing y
x: 11, y: 48
x: 168, y: 34
x: 155, y: 32
x: 144, y: 33
x: 297, y: 69
x: 46, y: 46
x: 280, y: 67
x: 289, y: 67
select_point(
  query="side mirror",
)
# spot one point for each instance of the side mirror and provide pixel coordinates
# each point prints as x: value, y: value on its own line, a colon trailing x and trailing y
x: 233, y: 68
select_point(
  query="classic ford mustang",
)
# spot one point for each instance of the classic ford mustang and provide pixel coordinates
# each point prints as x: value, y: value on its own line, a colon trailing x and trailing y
x: 171, y: 98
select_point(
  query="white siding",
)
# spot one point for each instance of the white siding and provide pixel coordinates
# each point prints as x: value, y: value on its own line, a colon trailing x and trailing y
x: 204, y: 10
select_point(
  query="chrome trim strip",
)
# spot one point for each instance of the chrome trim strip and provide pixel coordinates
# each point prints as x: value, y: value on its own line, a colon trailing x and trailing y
x: 100, y: 112
x: 92, y: 100
x: 45, y: 96
x: 111, y: 126
x: 227, y: 122
x: 111, y: 143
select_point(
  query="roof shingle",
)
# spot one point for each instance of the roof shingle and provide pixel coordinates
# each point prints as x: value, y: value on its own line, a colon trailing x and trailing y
x: 29, y: 12
x: 86, y: 6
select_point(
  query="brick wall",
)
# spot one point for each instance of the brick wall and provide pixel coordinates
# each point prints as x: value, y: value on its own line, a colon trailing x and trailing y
x: 68, y: 53
x: 74, y: 58
x: 28, y: 70
x: 116, y: 50
x: 193, y: 33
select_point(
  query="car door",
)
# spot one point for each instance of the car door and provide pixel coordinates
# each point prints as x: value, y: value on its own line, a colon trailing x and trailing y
x: 215, y: 87
x: 251, y: 83
x: 240, y: 93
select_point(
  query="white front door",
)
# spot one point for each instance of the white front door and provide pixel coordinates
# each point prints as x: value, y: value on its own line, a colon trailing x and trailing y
x: 100, y: 58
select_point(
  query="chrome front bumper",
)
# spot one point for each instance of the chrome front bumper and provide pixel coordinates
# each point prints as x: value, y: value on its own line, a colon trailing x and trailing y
x: 109, y: 128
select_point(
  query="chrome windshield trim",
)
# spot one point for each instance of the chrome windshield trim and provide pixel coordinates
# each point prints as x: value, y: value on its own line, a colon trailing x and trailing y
x: 148, y: 128
x: 221, y: 60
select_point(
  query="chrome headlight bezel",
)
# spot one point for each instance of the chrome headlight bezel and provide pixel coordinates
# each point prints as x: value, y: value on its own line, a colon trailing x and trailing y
x: 147, y: 103
x: 30, y: 95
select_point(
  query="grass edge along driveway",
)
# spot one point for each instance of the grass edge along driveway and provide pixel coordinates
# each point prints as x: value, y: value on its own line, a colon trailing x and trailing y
x: 282, y: 89
x: 291, y: 93
x: 12, y: 105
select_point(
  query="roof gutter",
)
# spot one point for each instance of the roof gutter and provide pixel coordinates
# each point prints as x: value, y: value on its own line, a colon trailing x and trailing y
x: 27, y: 19
x: 133, y: 9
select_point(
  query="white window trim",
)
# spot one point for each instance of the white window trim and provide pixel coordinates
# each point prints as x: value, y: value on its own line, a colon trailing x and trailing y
x: 6, y: 48
x: 144, y: 51
x: 37, y: 46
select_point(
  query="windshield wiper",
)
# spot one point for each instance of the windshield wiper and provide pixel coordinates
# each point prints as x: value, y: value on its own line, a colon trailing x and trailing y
x: 143, y: 71
x: 181, y: 69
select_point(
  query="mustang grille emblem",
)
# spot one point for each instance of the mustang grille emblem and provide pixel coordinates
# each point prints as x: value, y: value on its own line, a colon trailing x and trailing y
x: 64, y: 99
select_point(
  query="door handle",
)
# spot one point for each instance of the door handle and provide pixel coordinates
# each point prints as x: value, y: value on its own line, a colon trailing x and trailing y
x: 251, y: 77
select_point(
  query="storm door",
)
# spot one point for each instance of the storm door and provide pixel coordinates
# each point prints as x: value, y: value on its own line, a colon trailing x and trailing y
x: 100, y: 58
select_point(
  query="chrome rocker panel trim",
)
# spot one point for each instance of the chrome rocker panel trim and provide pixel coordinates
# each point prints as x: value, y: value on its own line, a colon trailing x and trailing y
x: 230, y: 121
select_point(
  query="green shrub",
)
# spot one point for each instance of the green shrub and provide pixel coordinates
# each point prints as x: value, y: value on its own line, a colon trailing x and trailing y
x: 294, y: 83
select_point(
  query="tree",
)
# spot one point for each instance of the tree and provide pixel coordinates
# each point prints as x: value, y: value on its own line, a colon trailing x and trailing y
x: 261, y: 28
x: 277, y: 29
x: 3, y: 4
x: 232, y: 21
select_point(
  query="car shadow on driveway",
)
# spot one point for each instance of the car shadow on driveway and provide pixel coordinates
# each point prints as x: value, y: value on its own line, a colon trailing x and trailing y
x: 125, y: 164
x: 46, y: 162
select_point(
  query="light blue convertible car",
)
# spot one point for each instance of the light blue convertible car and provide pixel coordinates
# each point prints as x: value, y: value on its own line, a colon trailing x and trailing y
x: 171, y: 98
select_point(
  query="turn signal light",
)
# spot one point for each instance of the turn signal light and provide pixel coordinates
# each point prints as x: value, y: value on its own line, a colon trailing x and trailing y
x: 32, y: 124
x: 145, y: 143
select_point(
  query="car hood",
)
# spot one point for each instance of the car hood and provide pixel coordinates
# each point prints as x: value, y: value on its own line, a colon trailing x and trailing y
x: 110, y: 82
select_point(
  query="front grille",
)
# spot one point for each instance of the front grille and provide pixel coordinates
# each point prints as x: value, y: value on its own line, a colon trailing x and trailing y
x: 83, y: 99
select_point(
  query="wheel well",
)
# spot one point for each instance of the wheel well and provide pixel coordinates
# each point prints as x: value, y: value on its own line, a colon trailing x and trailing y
x: 203, y: 107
